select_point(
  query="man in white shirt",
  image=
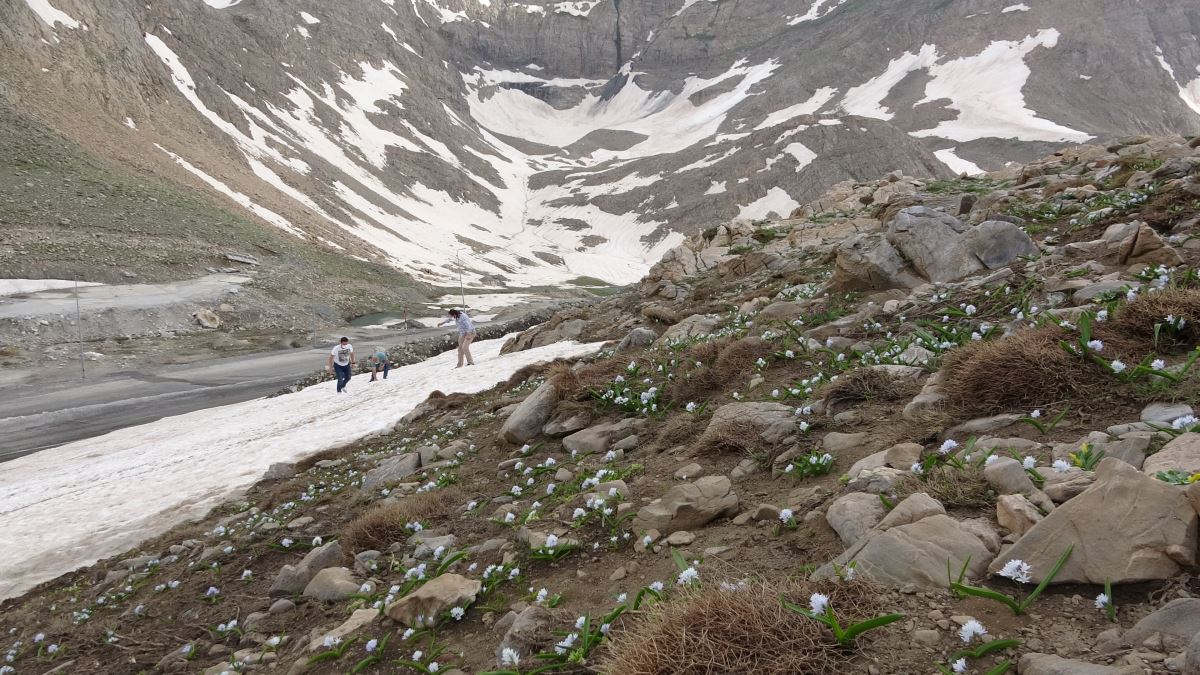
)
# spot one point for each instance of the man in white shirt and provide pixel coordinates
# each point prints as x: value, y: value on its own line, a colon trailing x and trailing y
x: 341, y: 359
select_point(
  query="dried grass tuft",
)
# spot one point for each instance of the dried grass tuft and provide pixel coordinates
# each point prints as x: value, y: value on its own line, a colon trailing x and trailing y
x: 747, y: 630
x: 332, y: 453
x: 1137, y: 319
x: 383, y: 525
x: 954, y: 488
x: 864, y: 384
x: 1020, y: 372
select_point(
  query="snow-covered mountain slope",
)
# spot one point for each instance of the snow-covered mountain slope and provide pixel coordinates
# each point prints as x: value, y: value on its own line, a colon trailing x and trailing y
x: 539, y: 141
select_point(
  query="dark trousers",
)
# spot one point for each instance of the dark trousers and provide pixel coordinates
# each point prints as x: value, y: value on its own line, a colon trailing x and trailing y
x: 343, y: 375
x: 386, y: 366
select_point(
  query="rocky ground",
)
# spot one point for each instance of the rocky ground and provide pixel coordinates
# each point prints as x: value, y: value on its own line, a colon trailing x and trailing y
x: 906, y: 394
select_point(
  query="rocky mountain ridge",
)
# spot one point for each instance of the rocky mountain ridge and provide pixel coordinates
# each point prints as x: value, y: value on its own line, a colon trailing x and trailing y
x: 538, y: 142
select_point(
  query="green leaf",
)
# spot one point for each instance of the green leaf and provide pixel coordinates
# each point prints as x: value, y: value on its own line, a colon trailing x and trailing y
x: 988, y: 594
x: 1062, y: 560
x: 680, y: 562
x: 987, y: 648
x: 870, y: 624
x: 1001, y: 668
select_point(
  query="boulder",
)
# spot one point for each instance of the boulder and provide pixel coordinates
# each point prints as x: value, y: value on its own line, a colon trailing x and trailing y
x: 1181, y: 454
x: 292, y: 579
x: 530, y: 634
x: 781, y: 311
x: 206, y: 318
x: 853, y: 515
x: 636, y: 339
x: 1049, y: 664
x: 867, y: 263
x: 1070, y: 483
x: 1007, y: 476
x: 696, y: 325
x: 997, y: 243
x: 1127, y: 527
x: 597, y: 438
x: 912, y: 545
x: 931, y: 242
x: 1016, y: 514
x: 358, y: 619
x: 424, y: 607
x: 773, y: 421
x: 1165, y: 413
x: 871, y: 462
x: 392, y: 470
x: 1178, y: 622
x: 903, y: 455
x: 567, y: 419
x: 689, y: 506
x: 1191, y: 658
x: 527, y: 420
x: 331, y: 584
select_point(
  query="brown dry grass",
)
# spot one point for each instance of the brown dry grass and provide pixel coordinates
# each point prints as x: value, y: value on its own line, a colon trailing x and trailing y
x: 383, y: 525
x: 332, y: 453
x: 864, y: 384
x: 564, y: 379
x: 725, y: 365
x: 1021, y: 372
x: 678, y: 430
x: 954, y: 488
x: 737, y: 436
x: 1137, y: 319
x: 711, y: 630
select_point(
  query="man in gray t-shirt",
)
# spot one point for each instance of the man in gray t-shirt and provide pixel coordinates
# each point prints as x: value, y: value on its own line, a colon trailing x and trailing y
x: 341, y: 360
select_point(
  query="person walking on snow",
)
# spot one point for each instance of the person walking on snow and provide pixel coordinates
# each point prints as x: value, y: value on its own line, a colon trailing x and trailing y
x: 341, y: 360
x: 466, y: 335
x: 379, y: 361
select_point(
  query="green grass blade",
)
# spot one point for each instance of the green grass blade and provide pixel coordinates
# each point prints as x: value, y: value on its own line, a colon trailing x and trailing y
x: 1062, y: 560
x: 870, y: 624
x: 988, y: 594
x: 1001, y: 668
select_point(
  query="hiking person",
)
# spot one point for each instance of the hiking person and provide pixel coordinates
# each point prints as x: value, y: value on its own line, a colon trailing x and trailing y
x: 379, y: 360
x: 466, y: 335
x: 341, y: 360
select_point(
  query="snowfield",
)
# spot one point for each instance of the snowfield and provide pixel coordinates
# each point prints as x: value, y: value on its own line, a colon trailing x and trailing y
x: 22, y: 286
x: 73, y: 505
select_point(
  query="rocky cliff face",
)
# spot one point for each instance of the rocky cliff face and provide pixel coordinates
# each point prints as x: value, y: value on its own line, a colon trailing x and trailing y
x: 538, y: 142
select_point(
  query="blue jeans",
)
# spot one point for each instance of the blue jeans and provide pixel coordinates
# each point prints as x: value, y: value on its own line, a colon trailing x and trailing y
x: 385, y: 366
x: 343, y: 375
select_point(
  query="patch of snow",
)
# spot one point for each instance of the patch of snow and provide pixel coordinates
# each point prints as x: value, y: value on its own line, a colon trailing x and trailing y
x: 444, y: 15
x: 389, y: 31
x: 686, y: 4
x: 130, y: 123
x: 709, y: 160
x: 260, y: 211
x: 577, y: 8
x: 802, y: 154
x: 819, y: 9
x: 1190, y: 92
x: 221, y: 4
x: 819, y: 98
x: 1085, y: 77
x: 985, y: 89
x: 51, y: 16
x: 1015, y: 8
x: 303, y: 31
x: 482, y: 302
x: 776, y: 202
x: 717, y: 187
x: 485, y: 77
x: 670, y: 121
x: 309, y: 18
x: 866, y: 100
x: 55, y: 521
x: 22, y: 286
x: 957, y: 164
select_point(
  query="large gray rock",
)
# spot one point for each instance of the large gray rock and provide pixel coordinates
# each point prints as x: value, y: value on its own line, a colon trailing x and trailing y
x: 689, y: 506
x: 527, y: 420
x: 696, y: 325
x: 1126, y: 527
x: 332, y: 584
x: 567, y: 419
x: 598, y: 438
x: 1008, y: 477
x: 773, y: 421
x: 1182, y: 454
x: 912, y: 545
x: 853, y: 515
x: 1191, y: 658
x: 931, y: 242
x: 997, y: 243
x: 1049, y: 664
x: 292, y: 579
x: 637, y: 338
x: 531, y: 633
x: 1178, y: 622
x: 392, y: 470
x: 424, y: 607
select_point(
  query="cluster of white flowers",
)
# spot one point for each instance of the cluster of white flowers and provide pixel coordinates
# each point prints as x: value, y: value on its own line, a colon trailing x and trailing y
x: 1017, y: 570
x: 970, y: 630
x: 687, y: 576
x: 817, y: 602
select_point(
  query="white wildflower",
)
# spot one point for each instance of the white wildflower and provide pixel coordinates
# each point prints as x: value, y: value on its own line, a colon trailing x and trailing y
x: 785, y: 515
x: 817, y: 602
x: 1060, y: 466
x: 1017, y: 570
x: 970, y: 630
x: 1103, y: 601
x: 960, y: 666
x: 687, y: 576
